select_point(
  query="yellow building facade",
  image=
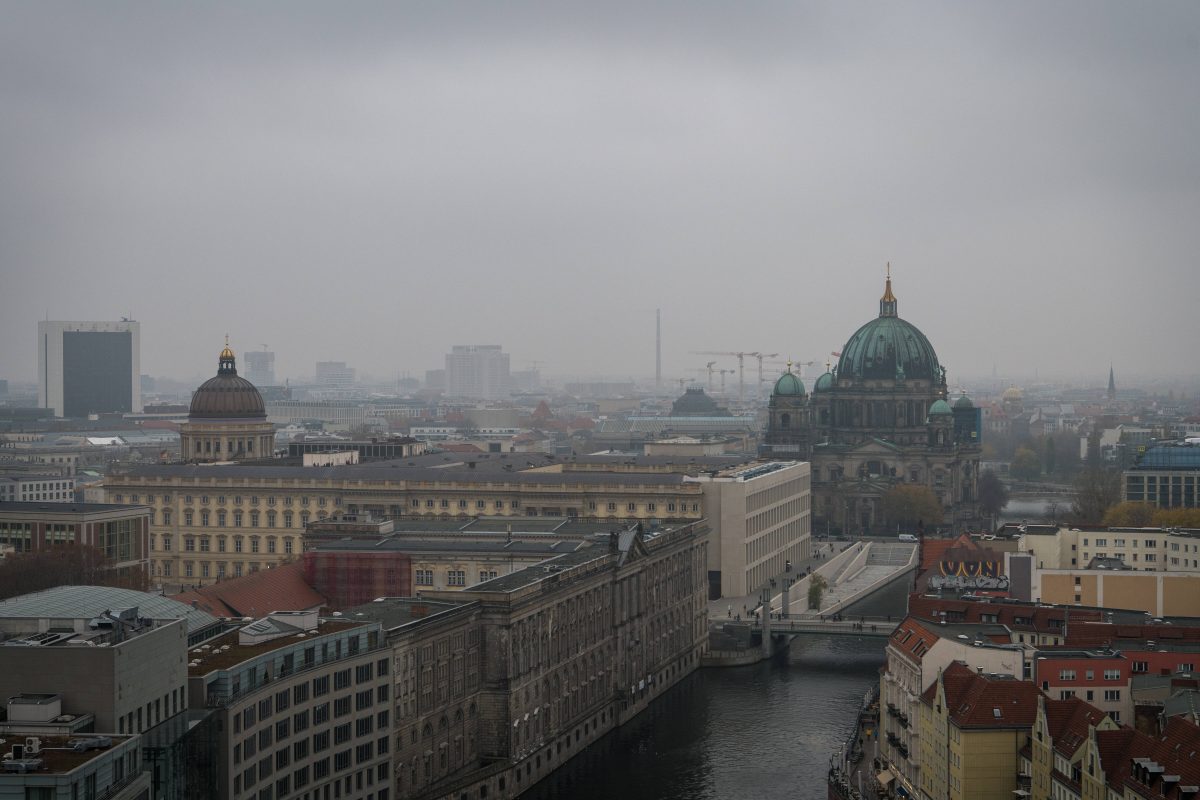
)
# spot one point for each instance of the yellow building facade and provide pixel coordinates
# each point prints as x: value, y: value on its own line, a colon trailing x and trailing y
x: 214, y: 521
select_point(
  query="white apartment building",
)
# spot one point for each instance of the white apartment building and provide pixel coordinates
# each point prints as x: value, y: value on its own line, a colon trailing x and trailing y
x: 36, y: 488
x: 477, y: 371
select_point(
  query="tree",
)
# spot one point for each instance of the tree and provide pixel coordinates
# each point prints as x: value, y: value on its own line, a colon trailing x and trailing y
x: 993, y: 495
x: 908, y: 505
x: 1049, y: 456
x: 1026, y: 466
x: 1096, y: 490
x: 67, y: 565
x: 1130, y: 514
x: 1177, y: 518
x: 816, y: 589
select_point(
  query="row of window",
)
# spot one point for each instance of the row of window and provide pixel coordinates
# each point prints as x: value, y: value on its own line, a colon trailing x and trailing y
x: 239, y: 519
x: 454, y: 577
x: 237, y: 500
x: 203, y: 544
x: 1109, y: 675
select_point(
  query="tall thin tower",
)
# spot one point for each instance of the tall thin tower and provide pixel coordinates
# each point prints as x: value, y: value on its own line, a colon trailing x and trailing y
x: 658, y: 348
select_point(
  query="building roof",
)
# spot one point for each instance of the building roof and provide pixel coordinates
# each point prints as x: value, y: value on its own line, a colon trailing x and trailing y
x: 389, y: 471
x: 227, y: 395
x: 1099, y: 633
x: 789, y: 385
x: 281, y: 588
x: 913, y: 638
x: 67, y: 509
x: 226, y: 650
x: 393, y: 612
x: 1014, y: 614
x: 1068, y: 721
x: 59, y: 757
x: 78, y: 602
x: 979, y: 701
x: 889, y: 348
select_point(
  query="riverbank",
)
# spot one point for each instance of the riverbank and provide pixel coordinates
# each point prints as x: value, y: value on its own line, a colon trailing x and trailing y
x: 765, y: 731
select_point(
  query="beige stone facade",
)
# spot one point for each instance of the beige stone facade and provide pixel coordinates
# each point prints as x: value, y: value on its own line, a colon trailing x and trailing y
x: 499, y: 685
x: 209, y: 522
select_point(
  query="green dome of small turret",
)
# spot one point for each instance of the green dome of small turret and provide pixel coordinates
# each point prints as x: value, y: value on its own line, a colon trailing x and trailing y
x: 824, y: 383
x: 963, y: 402
x: 789, y: 385
x: 940, y: 408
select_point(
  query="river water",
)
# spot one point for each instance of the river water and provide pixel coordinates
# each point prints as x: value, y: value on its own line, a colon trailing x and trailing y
x: 764, y: 732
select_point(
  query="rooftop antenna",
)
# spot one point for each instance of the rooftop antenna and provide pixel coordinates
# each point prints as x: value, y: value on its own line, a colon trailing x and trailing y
x: 658, y: 348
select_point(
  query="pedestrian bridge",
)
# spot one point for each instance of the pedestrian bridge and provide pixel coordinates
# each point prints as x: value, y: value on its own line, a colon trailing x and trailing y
x: 865, y: 626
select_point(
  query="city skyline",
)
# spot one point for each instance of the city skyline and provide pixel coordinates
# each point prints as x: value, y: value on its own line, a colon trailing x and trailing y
x: 543, y: 178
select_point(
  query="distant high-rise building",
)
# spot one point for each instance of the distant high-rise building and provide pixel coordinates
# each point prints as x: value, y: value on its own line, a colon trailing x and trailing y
x: 260, y: 367
x: 1111, y: 394
x: 435, y: 380
x: 477, y: 371
x: 89, y: 367
x: 334, y: 374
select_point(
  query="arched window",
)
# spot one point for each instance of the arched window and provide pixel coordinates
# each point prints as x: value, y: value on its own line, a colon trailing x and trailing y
x: 785, y: 421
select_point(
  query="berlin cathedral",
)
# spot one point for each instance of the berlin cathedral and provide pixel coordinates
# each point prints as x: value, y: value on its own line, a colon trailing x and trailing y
x: 879, y: 419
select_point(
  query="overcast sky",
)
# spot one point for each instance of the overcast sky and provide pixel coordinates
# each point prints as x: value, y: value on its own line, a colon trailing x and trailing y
x: 374, y: 183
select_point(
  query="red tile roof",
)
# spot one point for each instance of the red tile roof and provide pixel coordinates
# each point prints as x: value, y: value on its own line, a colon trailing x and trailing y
x: 912, y: 639
x: 1041, y: 619
x: 1175, y: 751
x: 1068, y: 721
x: 281, y: 588
x: 982, y: 702
x: 1099, y: 634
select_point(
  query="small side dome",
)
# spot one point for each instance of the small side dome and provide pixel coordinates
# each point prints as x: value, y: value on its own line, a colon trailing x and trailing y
x: 1012, y: 394
x: 940, y: 408
x: 962, y: 403
x: 789, y: 385
x: 824, y: 383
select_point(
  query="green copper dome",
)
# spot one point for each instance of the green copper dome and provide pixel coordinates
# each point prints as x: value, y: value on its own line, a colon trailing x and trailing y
x: 789, y: 385
x: 888, y: 348
x: 940, y: 408
x: 824, y: 383
x: 963, y: 402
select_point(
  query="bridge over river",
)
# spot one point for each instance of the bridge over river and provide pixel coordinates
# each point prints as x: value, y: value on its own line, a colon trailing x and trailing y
x: 780, y: 611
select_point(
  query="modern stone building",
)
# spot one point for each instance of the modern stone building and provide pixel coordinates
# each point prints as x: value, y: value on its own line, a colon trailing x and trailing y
x: 761, y: 518
x: 117, y: 654
x: 879, y: 419
x: 227, y: 419
x: 304, y: 706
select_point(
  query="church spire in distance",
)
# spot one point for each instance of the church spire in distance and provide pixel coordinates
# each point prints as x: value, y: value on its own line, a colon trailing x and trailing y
x: 1111, y: 394
x: 887, y: 303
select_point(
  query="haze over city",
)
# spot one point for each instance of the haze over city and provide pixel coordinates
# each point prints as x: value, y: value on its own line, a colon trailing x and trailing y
x: 379, y: 182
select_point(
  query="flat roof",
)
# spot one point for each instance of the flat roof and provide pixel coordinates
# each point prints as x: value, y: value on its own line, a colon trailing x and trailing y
x: 49, y: 507
x: 211, y: 660
x: 392, y: 612
x: 393, y: 471
x: 539, y: 572
x: 59, y: 757
x: 405, y: 544
x: 85, y: 602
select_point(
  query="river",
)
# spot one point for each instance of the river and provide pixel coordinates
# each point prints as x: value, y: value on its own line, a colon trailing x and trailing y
x: 764, y: 732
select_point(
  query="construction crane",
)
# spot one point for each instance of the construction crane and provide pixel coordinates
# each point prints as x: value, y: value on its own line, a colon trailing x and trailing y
x: 741, y: 357
x: 785, y: 364
x: 709, y: 366
x: 724, y: 372
x: 760, y: 357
